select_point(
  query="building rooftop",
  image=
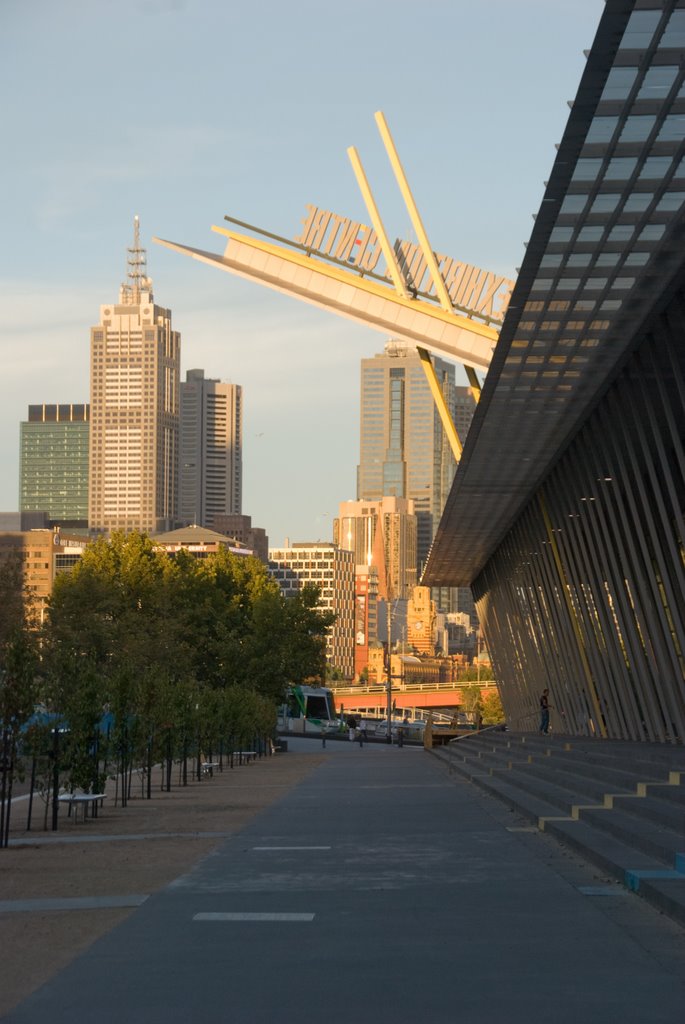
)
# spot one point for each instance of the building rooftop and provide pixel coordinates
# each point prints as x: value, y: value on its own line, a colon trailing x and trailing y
x: 195, y: 535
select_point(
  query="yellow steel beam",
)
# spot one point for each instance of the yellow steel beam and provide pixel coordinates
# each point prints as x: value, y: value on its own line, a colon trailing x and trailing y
x: 440, y: 403
x: 422, y: 237
x: 388, y: 251
x: 429, y: 256
x: 474, y: 383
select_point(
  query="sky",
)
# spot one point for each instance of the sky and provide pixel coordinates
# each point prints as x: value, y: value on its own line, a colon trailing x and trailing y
x: 182, y: 111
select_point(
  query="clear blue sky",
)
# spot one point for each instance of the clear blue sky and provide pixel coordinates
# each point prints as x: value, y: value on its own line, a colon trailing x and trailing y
x: 183, y: 110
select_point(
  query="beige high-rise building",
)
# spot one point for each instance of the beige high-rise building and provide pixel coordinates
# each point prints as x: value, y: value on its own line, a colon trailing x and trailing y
x: 381, y: 533
x: 134, y: 403
x: 43, y: 555
x: 211, y: 467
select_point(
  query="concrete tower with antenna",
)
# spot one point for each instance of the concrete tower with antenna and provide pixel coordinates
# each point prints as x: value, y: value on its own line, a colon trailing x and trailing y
x: 136, y: 271
x: 134, y: 395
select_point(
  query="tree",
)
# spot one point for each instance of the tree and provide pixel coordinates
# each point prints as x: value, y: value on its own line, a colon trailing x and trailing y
x: 471, y: 698
x: 493, y: 712
x: 475, y: 673
x: 154, y: 638
x: 18, y: 678
x: 305, y: 651
x: 12, y: 598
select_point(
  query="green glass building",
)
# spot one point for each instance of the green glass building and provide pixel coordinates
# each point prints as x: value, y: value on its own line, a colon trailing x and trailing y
x: 53, y: 466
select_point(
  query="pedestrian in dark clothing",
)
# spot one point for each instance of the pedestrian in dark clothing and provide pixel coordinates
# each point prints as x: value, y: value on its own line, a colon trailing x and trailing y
x: 544, y: 712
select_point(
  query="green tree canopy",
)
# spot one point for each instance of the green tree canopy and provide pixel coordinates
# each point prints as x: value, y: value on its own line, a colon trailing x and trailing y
x: 131, y: 611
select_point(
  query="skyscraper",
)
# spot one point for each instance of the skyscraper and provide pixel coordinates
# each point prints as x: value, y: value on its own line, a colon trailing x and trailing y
x: 381, y: 534
x: 53, y: 466
x: 404, y: 452
x: 134, y: 398
x: 211, y: 468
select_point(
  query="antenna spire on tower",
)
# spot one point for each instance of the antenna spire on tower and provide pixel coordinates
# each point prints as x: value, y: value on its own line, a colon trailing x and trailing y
x: 136, y: 261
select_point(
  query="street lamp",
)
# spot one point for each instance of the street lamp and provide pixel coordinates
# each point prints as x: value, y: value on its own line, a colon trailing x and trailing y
x: 388, y: 738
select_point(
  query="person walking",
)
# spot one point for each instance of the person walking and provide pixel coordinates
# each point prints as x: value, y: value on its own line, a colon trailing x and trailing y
x: 544, y: 712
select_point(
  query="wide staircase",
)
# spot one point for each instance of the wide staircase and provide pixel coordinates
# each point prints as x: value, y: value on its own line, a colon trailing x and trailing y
x: 620, y: 805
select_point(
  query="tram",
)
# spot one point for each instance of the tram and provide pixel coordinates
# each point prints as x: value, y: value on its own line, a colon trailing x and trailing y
x: 307, y: 710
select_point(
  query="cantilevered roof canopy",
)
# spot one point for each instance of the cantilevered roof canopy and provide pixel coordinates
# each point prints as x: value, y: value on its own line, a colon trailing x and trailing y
x: 606, y: 246
x: 339, y: 291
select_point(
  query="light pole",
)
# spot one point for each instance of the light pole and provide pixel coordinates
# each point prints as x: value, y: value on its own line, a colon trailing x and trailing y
x: 388, y: 738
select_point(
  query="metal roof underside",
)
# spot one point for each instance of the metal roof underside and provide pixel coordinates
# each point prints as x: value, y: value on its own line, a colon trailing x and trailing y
x: 607, y: 243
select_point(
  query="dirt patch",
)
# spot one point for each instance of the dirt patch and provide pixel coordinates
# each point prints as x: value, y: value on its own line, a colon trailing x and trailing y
x: 37, y: 944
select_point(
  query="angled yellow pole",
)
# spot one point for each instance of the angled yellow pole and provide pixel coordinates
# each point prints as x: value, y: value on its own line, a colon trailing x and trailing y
x: 440, y: 403
x: 386, y: 247
x: 429, y: 256
x: 474, y: 383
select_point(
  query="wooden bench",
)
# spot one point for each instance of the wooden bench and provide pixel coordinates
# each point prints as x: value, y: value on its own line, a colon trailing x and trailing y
x: 209, y: 766
x: 246, y: 755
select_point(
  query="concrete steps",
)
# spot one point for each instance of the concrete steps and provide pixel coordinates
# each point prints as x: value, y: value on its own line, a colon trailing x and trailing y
x: 619, y: 805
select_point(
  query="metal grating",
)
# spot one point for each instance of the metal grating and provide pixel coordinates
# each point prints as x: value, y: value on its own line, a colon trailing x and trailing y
x: 606, y: 247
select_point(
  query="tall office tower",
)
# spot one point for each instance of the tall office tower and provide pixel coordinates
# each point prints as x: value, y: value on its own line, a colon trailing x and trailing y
x: 464, y: 408
x: 365, y: 615
x: 211, y: 469
x: 332, y: 570
x: 459, y: 599
x: 381, y: 534
x: 134, y: 402
x: 53, y: 466
x: 404, y: 451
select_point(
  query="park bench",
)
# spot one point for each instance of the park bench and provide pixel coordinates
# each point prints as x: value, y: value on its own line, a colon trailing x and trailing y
x: 81, y: 799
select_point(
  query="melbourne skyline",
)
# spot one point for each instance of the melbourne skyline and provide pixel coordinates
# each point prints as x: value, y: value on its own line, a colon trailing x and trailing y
x: 182, y: 112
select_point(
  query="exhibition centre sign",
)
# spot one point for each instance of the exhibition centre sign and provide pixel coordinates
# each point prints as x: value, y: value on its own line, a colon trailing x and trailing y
x: 476, y: 291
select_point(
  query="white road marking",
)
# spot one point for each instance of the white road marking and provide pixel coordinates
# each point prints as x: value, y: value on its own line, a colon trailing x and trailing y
x: 252, y: 917
x: 602, y: 890
x: 291, y: 847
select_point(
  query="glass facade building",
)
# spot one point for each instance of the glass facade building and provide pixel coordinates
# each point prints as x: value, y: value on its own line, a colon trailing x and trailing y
x: 566, y: 514
x: 404, y: 452
x: 53, y: 465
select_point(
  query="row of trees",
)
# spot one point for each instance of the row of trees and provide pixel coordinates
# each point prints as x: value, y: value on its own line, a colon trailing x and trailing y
x: 144, y: 658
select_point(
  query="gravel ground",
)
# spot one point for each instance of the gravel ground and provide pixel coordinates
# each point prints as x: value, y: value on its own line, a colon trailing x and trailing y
x: 36, y: 944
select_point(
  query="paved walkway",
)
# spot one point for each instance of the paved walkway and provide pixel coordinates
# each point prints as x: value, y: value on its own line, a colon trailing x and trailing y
x: 379, y: 890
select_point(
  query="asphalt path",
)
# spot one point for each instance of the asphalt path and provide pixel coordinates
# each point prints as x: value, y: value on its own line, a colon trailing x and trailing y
x: 379, y: 889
